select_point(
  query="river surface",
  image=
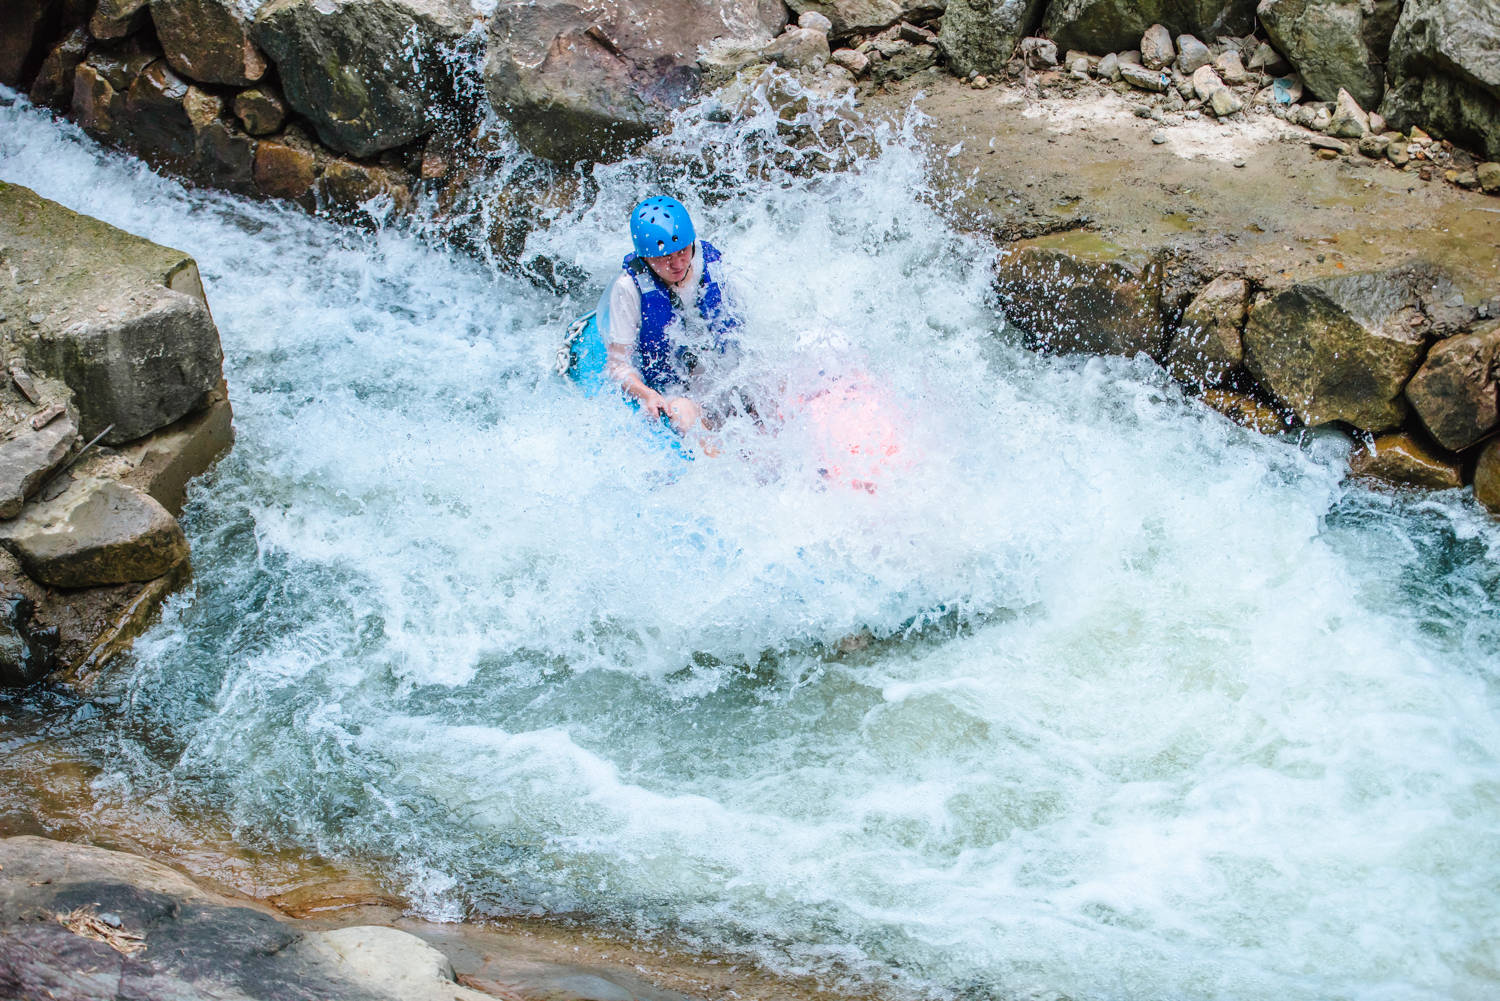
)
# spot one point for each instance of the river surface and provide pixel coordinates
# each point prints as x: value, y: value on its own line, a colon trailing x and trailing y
x: 1096, y: 694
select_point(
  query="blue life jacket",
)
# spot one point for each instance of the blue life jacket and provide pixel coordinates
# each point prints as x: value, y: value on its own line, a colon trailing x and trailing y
x: 662, y: 361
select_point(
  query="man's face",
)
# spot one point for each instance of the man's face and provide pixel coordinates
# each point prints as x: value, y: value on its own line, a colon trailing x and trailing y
x: 672, y: 268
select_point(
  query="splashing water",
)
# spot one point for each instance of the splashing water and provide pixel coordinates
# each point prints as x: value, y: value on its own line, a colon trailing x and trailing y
x: 1098, y: 694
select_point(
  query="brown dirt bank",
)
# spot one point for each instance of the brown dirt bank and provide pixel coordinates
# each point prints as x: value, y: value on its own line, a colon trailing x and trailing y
x: 1248, y: 196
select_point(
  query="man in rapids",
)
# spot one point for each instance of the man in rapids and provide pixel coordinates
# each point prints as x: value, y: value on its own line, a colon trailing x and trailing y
x: 666, y: 321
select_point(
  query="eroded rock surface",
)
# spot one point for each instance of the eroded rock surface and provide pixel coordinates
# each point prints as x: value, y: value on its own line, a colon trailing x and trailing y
x: 580, y: 83
x: 1207, y: 349
x: 208, y: 40
x: 97, y: 532
x: 1455, y: 390
x: 1334, y: 44
x: 1445, y: 71
x: 1116, y: 25
x: 980, y: 35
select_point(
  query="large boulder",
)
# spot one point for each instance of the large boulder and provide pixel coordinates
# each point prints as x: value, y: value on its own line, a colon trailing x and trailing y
x: 96, y: 532
x: 26, y: 28
x: 118, y: 319
x: 208, y: 40
x: 1341, y: 349
x: 1081, y: 294
x: 370, y: 75
x: 862, y: 17
x: 1334, y: 43
x: 581, y: 82
x: 1444, y: 71
x: 1117, y: 25
x: 979, y: 36
x: 1454, y: 392
x: 1206, y: 348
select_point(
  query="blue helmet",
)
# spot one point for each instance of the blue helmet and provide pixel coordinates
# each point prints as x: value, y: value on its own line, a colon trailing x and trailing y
x: 660, y: 226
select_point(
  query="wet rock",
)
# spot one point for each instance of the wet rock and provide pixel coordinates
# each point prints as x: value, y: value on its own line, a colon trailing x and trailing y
x: 1444, y: 71
x: 1403, y: 460
x: 1144, y: 79
x: 982, y: 35
x: 577, y: 86
x: 1334, y: 44
x: 29, y: 457
x: 1455, y: 391
x: 1077, y: 293
x: 1247, y: 411
x: 53, y: 86
x: 1487, y: 476
x: 1112, y: 25
x: 168, y: 938
x: 28, y: 649
x: 1206, y: 349
x: 1157, y: 51
x: 261, y: 110
x: 285, y: 170
x: 370, y: 75
x: 149, y: 357
x: 1349, y: 120
x: 208, y: 40
x: 347, y: 186
x: 1340, y: 349
x: 1191, y: 54
x: 26, y: 28
x: 97, y: 532
x: 117, y: 18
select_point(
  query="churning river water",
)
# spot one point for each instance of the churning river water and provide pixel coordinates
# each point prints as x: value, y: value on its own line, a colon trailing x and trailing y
x: 1097, y: 694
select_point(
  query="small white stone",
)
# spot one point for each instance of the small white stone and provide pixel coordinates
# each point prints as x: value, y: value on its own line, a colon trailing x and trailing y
x: 817, y: 22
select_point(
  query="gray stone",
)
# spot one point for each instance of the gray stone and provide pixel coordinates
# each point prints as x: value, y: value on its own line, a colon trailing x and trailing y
x: 1225, y: 102
x: 1112, y: 25
x: 1039, y: 53
x: 578, y: 85
x: 370, y: 75
x: 1109, y: 67
x: 814, y: 21
x: 1373, y: 146
x: 208, y: 40
x: 1402, y: 460
x: 1139, y: 76
x: 1489, y: 177
x: 1398, y: 153
x: 862, y: 17
x: 1334, y: 43
x: 29, y: 458
x: 798, y: 48
x: 1445, y: 71
x: 1206, y: 349
x: 1487, y: 476
x: 1157, y: 51
x: 901, y: 59
x: 1231, y: 68
x: 97, y: 532
x: 149, y: 357
x: 1322, y: 117
x: 982, y: 35
x: 1455, y: 391
x: 1341, y: 349
x: 1073, y: 294
x: 1266, y: 59
x: 1206, y: 82
x: 1191, y: 54
x: 1349, y: 119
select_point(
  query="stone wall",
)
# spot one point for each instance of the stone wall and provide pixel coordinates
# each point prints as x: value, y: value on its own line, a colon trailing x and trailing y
x: 112, y: 397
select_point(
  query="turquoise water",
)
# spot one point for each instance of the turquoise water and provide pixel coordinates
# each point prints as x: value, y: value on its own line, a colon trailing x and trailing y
x: 1137, y: 705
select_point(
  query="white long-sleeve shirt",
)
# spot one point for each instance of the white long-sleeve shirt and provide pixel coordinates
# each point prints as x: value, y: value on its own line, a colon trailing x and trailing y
x: 619, y: 316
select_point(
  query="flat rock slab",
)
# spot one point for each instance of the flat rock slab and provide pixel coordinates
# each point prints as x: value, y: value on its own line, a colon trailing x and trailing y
x: 29, y: 456
x: 79, y: 923
x: 97, y: 532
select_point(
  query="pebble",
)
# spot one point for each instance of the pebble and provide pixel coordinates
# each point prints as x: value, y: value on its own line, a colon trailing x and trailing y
x: 1328, y: 154
x: 37, y: 318
x: 1240, y: 162
x: 1158, y: 137
x: 817, y: 22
